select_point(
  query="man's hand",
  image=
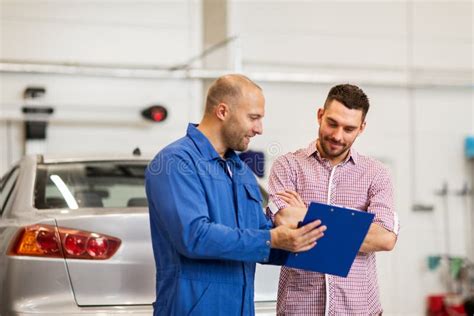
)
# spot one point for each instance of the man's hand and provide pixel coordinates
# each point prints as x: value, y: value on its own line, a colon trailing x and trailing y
x: 292, y: 198
x: 295, y: 212
x: 297, y: 240
x: 290, y: 216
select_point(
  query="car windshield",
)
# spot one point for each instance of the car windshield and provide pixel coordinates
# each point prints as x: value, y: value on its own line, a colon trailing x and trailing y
x: 90, y: 184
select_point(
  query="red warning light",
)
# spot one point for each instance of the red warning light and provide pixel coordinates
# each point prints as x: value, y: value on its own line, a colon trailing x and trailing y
x: 155, y: 113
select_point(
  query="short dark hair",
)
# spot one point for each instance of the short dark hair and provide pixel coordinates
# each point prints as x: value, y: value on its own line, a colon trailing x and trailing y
x: 351, y: 96
x: 227, y: 89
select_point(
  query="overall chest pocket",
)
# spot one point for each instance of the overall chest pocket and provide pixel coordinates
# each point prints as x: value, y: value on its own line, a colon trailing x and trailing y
x: 252, y: 206
x: 253, y: 193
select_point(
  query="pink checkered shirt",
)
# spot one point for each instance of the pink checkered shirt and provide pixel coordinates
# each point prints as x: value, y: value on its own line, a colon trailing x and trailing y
x: 358, y: 182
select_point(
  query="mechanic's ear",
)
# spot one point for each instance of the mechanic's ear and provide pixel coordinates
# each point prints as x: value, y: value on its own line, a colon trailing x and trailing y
x: 222, y: 111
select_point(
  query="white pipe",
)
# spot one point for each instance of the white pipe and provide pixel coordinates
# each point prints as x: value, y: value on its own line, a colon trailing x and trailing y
x: 399, y: 79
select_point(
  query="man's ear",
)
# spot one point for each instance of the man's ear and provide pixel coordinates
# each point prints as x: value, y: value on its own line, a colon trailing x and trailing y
x: 320, y: 115
x: 222, y: 111
x: 362, y: 127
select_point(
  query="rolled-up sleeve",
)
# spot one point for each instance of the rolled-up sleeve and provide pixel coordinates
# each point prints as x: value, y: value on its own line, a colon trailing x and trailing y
x: 381, y: 202
x: 281, y: 179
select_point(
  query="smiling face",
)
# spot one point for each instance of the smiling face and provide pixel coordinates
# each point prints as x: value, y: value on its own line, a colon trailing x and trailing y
x: 245, y: 120
x: 339, y: 127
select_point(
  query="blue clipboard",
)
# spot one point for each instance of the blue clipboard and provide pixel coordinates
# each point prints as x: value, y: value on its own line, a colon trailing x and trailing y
x: 335, y: 252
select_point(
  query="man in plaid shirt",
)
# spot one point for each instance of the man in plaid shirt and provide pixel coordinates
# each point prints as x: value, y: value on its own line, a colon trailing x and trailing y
x: 330, y: 171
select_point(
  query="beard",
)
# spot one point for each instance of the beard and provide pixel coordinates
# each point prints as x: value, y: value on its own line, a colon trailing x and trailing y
x: 234, y: 136
x: 327, y: 144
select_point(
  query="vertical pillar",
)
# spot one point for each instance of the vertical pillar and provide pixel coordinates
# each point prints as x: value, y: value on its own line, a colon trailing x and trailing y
x: 215, y: 30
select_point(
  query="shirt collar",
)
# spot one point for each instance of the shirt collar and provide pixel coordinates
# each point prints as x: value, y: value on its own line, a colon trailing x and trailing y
x: 313, y: 150
x: 205, y: 147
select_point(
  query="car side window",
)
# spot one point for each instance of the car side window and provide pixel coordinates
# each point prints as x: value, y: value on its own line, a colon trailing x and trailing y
x: 7, y: 183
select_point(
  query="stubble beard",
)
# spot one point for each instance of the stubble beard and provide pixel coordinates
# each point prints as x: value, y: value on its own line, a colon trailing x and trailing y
x: 234, y: 138
x: 333, y: 154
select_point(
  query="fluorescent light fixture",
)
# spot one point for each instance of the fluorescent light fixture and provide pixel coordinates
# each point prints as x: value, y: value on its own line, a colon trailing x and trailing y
x: 67, y: 195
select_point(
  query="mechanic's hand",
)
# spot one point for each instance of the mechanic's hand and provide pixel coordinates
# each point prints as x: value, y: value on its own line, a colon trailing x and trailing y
x: 291, y: 198
x: 290, y: 216
x: 297, y: 240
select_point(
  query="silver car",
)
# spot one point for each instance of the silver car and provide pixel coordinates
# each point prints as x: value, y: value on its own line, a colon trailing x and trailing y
x: 75, y: 239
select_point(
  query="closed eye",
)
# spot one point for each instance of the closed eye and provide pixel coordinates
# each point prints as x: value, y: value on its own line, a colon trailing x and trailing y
x: 255, y: 116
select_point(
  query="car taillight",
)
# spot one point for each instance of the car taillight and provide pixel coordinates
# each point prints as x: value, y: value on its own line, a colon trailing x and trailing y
x: 50, y: 241
x: 75, y: 245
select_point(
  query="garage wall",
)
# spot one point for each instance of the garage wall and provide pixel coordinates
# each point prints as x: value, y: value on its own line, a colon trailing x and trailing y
x: 418, y: 131
x: 99, y: 114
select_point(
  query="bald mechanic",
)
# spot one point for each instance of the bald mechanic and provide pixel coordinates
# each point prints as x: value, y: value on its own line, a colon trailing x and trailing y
x: 207, y: 224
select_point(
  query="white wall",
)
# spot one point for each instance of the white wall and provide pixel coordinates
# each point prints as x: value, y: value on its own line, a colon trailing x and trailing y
x: 97, y: 114
x: 419, y: 133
